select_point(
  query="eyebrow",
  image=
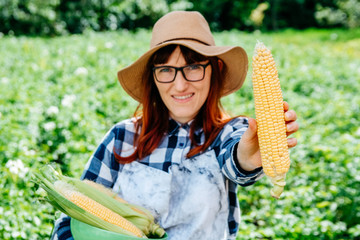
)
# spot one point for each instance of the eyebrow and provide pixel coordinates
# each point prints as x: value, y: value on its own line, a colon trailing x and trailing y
x: 187, y: 64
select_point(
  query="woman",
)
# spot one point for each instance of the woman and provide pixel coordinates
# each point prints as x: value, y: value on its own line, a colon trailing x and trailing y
x: 181, y: 156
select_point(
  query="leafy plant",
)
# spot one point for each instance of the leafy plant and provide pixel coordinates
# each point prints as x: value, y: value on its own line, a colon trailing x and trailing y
x: 59, y: 96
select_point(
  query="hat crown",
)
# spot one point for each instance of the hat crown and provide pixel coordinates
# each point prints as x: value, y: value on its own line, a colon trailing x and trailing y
x: 179, y: 25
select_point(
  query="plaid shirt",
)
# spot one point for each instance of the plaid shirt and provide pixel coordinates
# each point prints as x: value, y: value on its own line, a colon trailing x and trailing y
x: 103, y: 168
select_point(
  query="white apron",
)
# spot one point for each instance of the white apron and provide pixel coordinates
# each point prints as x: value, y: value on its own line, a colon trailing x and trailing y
x: 189, y: 202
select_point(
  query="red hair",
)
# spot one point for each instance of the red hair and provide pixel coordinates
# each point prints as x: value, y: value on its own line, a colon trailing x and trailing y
x: 153, y: 116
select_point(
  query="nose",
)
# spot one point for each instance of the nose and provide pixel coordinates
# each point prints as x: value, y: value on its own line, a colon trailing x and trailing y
x: 180, y: 82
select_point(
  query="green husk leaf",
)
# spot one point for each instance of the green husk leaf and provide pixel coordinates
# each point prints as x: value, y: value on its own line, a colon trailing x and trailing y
x: 72, y: 210
x: 122, y: 209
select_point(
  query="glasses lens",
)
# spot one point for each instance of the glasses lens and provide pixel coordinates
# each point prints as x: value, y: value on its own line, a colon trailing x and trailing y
x: 194, y: 72
x: 165, y: 74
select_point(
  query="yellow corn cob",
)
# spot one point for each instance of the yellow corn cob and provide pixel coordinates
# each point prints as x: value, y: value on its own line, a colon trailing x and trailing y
x: 114, y: 195
x: 269, y: 110
x: 144, y: 220
x: 96, y: 209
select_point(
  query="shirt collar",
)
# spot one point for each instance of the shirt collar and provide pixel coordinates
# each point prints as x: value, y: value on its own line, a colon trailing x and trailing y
x: 174, y: 127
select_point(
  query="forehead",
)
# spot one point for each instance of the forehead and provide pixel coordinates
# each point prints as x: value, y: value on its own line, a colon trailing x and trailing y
x: 176, y: 57
x: 177, y: 53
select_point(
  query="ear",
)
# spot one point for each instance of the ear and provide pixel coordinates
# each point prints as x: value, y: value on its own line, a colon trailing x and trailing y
x: 221, y: 64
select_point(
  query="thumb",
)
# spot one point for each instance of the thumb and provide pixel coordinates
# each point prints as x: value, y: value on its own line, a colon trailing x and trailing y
x: 251, y: 132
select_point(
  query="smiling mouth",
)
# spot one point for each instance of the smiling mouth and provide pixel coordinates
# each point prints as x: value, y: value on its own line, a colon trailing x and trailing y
x: 183, y: 97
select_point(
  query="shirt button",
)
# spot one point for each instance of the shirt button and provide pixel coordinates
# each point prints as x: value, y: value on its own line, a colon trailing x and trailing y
x: 181, y: 144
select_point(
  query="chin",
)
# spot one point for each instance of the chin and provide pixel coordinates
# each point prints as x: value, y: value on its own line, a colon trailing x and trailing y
x: 182, y: 118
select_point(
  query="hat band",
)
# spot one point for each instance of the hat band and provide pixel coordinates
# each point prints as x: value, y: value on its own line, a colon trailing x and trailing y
x: 191, y: 39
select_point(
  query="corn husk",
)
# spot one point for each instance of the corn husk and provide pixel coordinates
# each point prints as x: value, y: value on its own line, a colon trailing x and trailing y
x: 69, y: 208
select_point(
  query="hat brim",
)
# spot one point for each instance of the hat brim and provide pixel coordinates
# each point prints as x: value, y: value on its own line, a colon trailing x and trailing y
x: 234, y: 57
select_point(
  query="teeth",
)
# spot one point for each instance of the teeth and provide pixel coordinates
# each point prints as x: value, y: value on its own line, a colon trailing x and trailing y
x: 183, y: 97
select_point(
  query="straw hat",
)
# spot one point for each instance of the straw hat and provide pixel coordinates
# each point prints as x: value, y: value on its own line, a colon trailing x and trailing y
x: 189, y: 29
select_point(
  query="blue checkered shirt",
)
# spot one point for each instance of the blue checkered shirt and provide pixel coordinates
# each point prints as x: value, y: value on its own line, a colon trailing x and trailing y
x: 103, y: 168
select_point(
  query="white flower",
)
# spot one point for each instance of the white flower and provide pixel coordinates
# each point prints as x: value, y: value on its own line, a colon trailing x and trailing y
x: 68, y: 100
x: 333, y: 36
x: 37, y: 221
x: 81, y: 71
x: 17, y: 167
x: 304, y: 68
x: 53, y: 110
x: 34, y: 67
x: 4, y: 80
x: 109, y: 45
x: 357, y: 133
x: 59, y: 64
x: 30, y: 152
x: 91, y: 49
x: 49, y: 126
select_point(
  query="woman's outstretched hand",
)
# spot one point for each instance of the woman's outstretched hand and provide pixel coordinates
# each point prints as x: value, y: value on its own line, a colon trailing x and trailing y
x: 248, y: 151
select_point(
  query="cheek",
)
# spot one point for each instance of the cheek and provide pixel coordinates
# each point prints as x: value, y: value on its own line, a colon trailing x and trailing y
x: 160, y: 88
x: 206, y: 88
x: 163, y: 90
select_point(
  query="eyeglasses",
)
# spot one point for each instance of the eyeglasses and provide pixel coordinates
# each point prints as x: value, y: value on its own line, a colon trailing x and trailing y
x: 191, y: 73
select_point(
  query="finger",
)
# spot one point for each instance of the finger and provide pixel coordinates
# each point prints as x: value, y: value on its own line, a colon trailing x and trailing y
x: 286, y: 106
x: 290, y: 116
x: 291, y: 128
x: 292, y: 142
x: 251, y: 131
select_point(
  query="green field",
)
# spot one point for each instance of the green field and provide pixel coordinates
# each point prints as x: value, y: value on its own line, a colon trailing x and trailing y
x: 59, y: 96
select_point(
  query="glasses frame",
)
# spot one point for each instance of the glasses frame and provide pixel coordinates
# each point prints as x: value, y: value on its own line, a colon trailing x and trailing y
x: 181, y: 69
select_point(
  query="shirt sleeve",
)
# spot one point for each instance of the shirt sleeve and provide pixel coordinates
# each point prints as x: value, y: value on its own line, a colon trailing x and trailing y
x: 225, y: 146
x: 61, y: 229
x: 102, y: 166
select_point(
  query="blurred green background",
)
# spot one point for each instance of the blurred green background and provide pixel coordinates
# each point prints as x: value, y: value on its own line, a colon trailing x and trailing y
x: 59, y: 95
